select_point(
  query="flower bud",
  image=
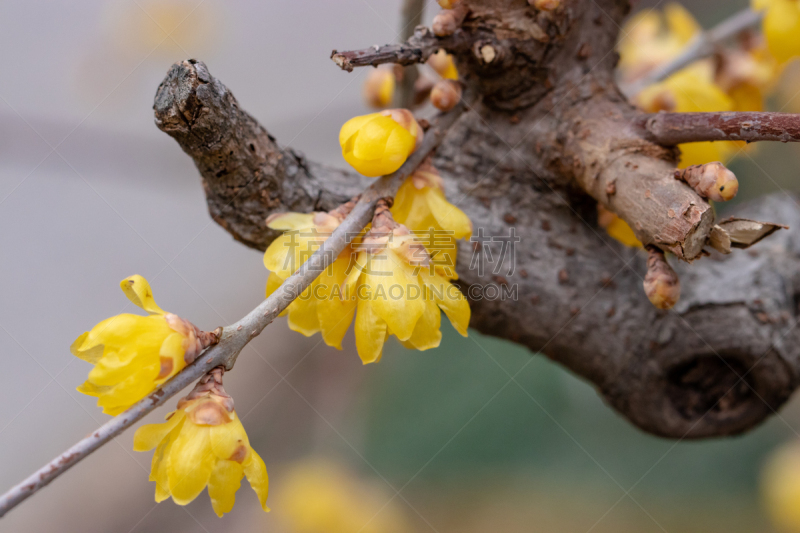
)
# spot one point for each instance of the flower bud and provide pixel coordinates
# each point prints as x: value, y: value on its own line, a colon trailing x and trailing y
x: 661, y: 284
x: 442, y: 63
x: 445, y: 94
x: 379, y: 87
x: 449, y: 4
x: 712, y: 181
x: 448, y: 21
x: 379, y: 143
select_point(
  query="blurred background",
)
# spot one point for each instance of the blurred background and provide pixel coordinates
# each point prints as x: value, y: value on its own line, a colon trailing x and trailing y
x: 91, y: 192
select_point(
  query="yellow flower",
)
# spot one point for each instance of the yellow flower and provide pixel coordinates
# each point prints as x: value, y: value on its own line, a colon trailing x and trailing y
x: 320, y: 496
x: 650, y: 38
x: 399, y: 294
x: 421, y: 206
x: 691, y: 90
x: 203, y: 443
x: 322, y: 307
x: 379, y: 143
x: 780, y: 488
x: 443, y: 64
x: 386, y: 280
x: 379, y: 87
x: 781, y: 27
x: 133, y: 354
x: 617, y: 228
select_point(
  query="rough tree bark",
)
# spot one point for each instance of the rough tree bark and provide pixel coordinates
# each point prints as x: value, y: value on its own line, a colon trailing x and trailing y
x: 553, y: 127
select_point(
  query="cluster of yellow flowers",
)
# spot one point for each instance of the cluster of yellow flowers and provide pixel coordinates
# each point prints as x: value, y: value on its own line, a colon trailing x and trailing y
x: 389, y: 279
x: 203, y: 442
x: 735, y: 79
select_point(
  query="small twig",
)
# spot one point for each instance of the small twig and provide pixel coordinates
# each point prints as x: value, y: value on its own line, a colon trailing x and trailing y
x: 417, y: 49
x: 669, y: 129
x: 703, y: 45
x: 411, y: 17
x: 236, y: 336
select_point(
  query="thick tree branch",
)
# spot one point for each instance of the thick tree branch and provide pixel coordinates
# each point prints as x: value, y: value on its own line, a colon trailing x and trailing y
x: 703, y: 45
x: 670, y: 129
x: 716, y: 365
x: 236, y: 336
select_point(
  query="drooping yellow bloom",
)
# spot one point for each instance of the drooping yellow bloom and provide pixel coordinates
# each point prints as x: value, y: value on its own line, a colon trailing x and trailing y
x: 133, y: 354
x: 379, y: 87
x: 443, y: 64
x: 399, y: 293
x: 320, y: 496
x: 781, y: 27
x: 379, y: 143
x: 386, y: 280
x: 201, y: 444
x: 746, y: 73
x: 650, y: 38
x: 322, y: 307
x: 780, y: 488
x: 421, y: 206
x: 691, y: 90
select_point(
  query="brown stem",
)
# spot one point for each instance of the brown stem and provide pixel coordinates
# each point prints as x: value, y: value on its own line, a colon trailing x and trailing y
x: 417, y: 49
x: 669, y: 129
x: 411, y: 17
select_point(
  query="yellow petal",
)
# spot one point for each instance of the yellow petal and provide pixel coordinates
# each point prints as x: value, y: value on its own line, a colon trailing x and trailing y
x: 427, y: 333
x: 138, y: 291
x: 303, y: 313
x: 173, y: 348
x: 370, y: 143
x: 353, y: 125
x: 370, y: 332
x: 449, y: 217
x: 680, y: 22
x: 225, y: 480
x: 450, y: 300
x: 335, y: 307
x: 227, y: 438
x: 91, y: 355
x: 149, y: 436
x: 291, y: 221
x: 781, y: 29
x: 159, y: 468
x: 392, y: 299
x: 256, y: 472
x: 190, y: 463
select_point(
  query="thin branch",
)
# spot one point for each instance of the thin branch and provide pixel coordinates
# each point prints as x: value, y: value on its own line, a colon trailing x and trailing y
x: 417, y: 49
x: 669, y: 129
x: 236, y: 336
x: 411, y: 17
x: 703, y: 45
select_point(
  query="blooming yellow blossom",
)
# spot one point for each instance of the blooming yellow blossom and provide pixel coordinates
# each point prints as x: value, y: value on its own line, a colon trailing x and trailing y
x: 691, y: 90
x: 386, y: 280
x: 443, y: 64
x: 379, y: 87
x: 379, y: 143
x: 421, y: 206
x: 650, y: 38
x: 321, y: 307
x: 133, y: 354
x: 780, y: 488
x: 781, y: 27
x: 320, y: 496
x: 201, y: 444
